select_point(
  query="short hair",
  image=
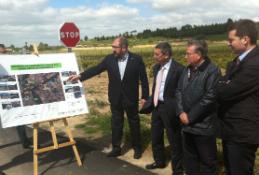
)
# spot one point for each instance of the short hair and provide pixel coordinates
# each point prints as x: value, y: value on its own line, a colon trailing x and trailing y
x: 165, y: 48
x: 201, y: 46
x: 123, y: 42
x: 245, y: 27
x: 2, y: 46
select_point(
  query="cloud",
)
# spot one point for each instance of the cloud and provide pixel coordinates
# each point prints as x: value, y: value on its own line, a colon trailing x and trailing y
x: 138, y: 1
x: 181, y: 12
x: 37, y: 21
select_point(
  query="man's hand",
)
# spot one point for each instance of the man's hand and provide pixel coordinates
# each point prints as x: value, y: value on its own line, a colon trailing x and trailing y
x: 73, y: 78
x: 184, y: 118
x: 142, y: 102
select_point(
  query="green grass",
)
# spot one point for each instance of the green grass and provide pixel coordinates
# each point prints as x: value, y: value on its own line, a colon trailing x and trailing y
x: 97, y: 123
x: 97, y: 103
x: 144, y: 128
x: 101, y: 123
x: 132, y: 41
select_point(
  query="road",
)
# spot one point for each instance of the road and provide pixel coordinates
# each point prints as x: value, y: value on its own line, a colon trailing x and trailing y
x: 14, y: 160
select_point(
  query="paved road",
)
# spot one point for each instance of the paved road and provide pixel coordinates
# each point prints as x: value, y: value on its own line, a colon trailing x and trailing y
x: 15, y: 160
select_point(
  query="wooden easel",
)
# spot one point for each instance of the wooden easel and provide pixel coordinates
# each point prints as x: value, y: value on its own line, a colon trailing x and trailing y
x: 55, y: 146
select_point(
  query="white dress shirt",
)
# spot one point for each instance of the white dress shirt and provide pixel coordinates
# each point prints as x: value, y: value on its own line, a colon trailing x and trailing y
x: 122, y: 63
x: 243, y: 55
x: 162, y: 87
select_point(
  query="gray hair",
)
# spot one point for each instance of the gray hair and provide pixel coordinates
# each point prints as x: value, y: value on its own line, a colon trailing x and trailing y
x: 201, y: 46
x: 165, y: 48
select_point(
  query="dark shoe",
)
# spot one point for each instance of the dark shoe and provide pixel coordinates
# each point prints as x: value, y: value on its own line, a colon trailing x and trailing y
x: 137, y: 154
x: 154, y: 166
x: 179, y: 173
x: 114, y: 153
x: 2, y: 173
x: 27, y: 145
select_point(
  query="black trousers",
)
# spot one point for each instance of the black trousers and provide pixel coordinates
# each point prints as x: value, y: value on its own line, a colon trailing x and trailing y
x: 199, y: 154
x: 117, y: 122
x: 161, y: 121
x: 21, y: 131
x: 239, y: 158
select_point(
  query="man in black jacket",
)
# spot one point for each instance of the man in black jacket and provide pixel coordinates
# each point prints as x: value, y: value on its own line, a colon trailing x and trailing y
x: 196, y: 107
x: 238, y: 97
x: 166, y: 75
x: 125, y: 69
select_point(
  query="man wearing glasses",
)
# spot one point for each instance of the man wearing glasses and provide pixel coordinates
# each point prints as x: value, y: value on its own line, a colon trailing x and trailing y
x: 197, y: 110
x: 125, y: 70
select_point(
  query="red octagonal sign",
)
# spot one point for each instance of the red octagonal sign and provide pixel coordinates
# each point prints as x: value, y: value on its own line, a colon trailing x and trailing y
x: 69, y: 34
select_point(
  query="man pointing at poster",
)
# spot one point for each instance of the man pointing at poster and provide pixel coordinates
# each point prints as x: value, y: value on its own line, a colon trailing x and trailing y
x: 125, y: 70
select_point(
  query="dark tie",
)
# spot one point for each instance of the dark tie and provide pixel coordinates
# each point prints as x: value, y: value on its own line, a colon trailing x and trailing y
x: 237, y: 62
x: 122, y: 59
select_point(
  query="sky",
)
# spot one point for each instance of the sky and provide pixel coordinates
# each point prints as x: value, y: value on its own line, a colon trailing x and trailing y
x: 35, y: 21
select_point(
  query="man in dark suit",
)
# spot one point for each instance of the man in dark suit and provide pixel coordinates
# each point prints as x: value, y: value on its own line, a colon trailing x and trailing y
x: 197, y: 109
x: 125, y: 69
x: 238, y: 97
x: 166, y: 75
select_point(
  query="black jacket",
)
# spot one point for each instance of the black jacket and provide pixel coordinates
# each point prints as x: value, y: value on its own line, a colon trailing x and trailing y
x: 171, y: 82
x: 197, y: 97
x: 128, y: 87
x: 238, y: 97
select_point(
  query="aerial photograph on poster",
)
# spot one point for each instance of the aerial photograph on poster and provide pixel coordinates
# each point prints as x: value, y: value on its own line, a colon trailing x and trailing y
x: 40, y: 88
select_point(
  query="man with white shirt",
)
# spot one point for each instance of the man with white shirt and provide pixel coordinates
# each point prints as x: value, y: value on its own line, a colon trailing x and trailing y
x: 238, y: 98
x: 166, y: 74
x: 125, y: 71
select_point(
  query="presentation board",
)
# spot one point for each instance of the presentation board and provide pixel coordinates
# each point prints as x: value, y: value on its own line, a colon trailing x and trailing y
x: 35, y: 88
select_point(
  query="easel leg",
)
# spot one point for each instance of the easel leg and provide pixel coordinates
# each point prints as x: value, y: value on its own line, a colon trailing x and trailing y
x: 35, y: 148
x: 71, y: 139
x: 53, y: 134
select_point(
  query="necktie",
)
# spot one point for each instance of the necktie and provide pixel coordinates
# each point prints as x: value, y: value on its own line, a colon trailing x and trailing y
x: 122, y: 59
x: 158, y: 84
x: 237, y: 62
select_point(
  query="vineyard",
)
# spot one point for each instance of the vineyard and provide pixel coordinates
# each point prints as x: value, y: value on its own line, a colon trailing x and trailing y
x: 219, y: 53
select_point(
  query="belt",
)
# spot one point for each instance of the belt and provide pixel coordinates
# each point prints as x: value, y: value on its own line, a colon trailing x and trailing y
x: 160, y: 102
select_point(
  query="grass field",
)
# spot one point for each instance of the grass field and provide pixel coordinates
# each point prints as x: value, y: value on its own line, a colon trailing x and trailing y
x: 219, y: 53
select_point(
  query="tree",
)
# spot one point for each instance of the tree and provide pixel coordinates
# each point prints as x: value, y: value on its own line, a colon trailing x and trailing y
x: 86, y: 38
x: 12, y: 47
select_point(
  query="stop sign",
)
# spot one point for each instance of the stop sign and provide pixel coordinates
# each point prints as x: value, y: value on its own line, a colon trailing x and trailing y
x: 69, y: 34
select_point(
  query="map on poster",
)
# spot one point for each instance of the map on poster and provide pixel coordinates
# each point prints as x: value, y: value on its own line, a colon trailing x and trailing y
x: 35, y: 88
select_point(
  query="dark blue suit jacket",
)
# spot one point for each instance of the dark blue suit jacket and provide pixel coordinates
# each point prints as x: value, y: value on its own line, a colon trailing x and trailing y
x: 128, y: 87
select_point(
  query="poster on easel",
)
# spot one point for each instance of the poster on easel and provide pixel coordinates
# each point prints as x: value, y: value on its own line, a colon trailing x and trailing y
x: 35, y: 88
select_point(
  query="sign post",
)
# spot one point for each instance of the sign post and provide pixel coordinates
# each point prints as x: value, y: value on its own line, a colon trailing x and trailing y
x: 69, y: 35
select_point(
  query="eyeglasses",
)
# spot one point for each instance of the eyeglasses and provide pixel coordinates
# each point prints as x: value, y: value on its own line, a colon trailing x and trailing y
x: 116, y: 47
x: 188, y: 53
